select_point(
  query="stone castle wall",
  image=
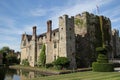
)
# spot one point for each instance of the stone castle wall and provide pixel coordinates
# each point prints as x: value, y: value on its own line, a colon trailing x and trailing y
x: 76, y: 38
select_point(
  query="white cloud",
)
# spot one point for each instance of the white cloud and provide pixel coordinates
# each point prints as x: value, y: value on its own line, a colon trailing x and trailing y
x: 70, y: 8
x: 38, y: 12
x: 14, y: 46
x: 76, y: 8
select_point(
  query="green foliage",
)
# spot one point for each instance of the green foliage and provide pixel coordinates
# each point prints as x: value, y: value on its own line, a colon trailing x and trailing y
x: 49, y: 65
x: 12, y: 58
x: 102, y: 67
x: 61, y: 62
x: 101, y: 50
x: 25, y: 62
x: 78, y: 22
x: 42, y: 57
x: 102, y: 58
x: 102, y: 64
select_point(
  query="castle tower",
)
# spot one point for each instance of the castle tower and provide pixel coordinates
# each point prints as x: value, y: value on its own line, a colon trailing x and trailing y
x: 33, y: 55
x: 49, y: 50
x: 67, y: 39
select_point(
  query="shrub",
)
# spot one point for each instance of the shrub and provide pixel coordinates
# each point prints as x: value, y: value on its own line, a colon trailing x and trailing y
x: 61, y: 62
x: 102, y: 67
x: 49, y: 65
x: 25, y: 62
x: 102, y: 58
x: 101, y: 50
x: 102, y: 64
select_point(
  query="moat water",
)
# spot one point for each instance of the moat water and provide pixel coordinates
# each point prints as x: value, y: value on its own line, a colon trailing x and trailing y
x: 18, y: 74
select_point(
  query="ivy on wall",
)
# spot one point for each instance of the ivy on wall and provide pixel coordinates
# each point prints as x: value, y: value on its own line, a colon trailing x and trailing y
x: 78, y: 22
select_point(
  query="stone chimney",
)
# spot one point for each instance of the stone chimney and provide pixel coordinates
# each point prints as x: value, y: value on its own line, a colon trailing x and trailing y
x: 34, y: 33
x: 49, y: 26
x: 34, y: 30
x: 49, y: 30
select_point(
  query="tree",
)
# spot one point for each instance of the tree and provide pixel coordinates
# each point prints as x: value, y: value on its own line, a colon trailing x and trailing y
x: 4, y: 51
x: 42, y: 56
x: 8, y: 56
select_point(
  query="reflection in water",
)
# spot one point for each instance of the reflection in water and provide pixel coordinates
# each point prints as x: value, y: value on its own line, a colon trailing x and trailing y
x: 13, y: 74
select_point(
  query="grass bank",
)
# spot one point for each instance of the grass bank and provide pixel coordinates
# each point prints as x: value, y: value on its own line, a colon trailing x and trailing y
x: 48, y: 71
x: 87, y: 75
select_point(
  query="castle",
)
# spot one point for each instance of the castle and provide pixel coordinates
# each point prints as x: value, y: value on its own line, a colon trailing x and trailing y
x: 76, y: 38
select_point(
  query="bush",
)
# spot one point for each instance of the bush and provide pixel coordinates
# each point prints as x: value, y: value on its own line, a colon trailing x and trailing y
x: 25, y: 62
x: 61, y: 62
x: 101, y: 50
x: 49, y: 65
x: 102, y: 58
x: 102, y: 64
x: 102, y: 67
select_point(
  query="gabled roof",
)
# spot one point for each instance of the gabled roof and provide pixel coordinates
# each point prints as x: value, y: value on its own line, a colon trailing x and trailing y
x: 44, y: 34
x: 29, y: 37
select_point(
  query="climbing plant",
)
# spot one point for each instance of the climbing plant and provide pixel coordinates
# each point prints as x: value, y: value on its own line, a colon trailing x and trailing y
x: 78, y: 22
x: 42, y: 57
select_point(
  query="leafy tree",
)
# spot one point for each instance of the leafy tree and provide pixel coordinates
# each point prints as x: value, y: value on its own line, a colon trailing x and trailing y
x: 4, y: 52
x: 8, y: 57
x: 12, y: 58
x: 42, y: 57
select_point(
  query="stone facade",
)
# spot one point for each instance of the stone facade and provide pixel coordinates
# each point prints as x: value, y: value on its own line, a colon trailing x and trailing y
x: 75, y: 38
x: 116, y: 42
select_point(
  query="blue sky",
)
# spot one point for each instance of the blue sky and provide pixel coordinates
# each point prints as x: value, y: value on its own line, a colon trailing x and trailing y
x: 19, y: 16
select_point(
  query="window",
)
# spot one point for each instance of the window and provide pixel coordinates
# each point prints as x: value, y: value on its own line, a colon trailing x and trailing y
x: 24, y: 43
x: 53, y: 34
x: 55, y: 45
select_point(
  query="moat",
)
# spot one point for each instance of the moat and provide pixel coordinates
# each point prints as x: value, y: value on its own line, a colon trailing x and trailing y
x: 18, y: 74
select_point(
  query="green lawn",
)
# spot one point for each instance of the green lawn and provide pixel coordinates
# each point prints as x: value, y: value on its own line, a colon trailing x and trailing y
x: 87, y: 75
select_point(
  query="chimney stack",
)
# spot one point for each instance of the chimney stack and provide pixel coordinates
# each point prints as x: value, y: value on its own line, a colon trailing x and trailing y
x: 34, y: 30
x: 49, y: 30
x: 49, y: 26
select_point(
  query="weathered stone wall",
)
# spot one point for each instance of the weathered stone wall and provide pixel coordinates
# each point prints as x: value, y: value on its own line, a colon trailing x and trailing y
x: 76, y: 37
x: 116, y: 42
x: 89, y: 36
x: 67, y: 39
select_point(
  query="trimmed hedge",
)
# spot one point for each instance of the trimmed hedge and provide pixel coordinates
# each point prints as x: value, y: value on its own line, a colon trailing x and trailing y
x: 102, y: 58
x: 102, y: 64
x: 61, y: 62
x: 102, y: 67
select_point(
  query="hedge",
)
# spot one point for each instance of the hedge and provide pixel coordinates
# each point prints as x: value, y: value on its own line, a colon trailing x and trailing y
x: 102, y: 67
x: 102, y: 58
x: 61, y: 62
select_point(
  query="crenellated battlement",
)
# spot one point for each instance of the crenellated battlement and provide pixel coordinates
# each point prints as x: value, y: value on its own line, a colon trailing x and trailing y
x: 77, y: 35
